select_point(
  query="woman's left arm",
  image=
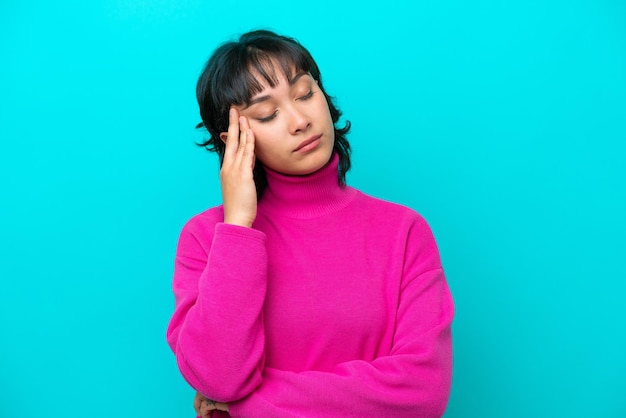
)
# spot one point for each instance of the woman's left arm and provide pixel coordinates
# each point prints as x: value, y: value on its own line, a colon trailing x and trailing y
x: 413, y: 380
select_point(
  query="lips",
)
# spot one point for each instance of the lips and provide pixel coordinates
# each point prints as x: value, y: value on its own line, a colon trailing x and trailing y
x: 304, y: 144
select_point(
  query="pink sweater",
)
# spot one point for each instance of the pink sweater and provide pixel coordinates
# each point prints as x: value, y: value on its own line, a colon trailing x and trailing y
x: 333, y: 305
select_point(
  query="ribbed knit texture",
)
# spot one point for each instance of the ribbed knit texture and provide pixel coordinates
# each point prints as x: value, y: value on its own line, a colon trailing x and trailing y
x: 333, y: 305
x: 305, y: 197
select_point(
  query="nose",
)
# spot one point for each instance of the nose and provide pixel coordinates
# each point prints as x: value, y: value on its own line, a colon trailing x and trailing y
x: 298, y: 121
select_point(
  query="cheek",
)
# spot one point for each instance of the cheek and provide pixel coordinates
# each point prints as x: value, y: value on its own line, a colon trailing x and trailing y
x: 262, y: 142
x: 325, y: 110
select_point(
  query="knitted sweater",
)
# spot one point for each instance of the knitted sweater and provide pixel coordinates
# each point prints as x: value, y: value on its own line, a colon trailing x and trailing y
x: 334, y: 304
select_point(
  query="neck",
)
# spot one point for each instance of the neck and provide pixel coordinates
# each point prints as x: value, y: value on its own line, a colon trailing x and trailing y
x: 307, y: 196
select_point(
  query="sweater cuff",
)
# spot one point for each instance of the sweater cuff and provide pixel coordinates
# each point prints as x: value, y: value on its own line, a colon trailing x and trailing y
x: 237, y: 256
x: 241, y: 231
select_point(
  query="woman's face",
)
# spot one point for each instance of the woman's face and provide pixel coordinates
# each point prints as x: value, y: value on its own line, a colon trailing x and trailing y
x: 292, y: 125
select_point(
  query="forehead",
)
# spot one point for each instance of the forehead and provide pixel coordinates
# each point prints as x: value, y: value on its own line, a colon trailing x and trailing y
x: 269, y: 91
x: 279, y: 79
x: 266, y: 72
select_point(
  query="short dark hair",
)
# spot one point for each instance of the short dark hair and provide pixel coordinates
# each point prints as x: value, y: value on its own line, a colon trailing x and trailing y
x: 229, y: 79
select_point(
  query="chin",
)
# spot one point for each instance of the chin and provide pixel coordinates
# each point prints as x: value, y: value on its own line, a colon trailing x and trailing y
x: 309, y: 164
x: 320, y: 162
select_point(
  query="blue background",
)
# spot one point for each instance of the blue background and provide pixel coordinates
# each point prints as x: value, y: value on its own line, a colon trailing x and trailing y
x: 502, y: 122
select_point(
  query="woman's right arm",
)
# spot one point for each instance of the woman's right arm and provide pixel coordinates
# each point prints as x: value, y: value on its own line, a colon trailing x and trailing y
x: 216, y: 331
x: 220, y: 278
x: 236, y: 175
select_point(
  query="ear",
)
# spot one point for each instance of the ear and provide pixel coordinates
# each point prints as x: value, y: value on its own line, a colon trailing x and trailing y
x: 223, y: 136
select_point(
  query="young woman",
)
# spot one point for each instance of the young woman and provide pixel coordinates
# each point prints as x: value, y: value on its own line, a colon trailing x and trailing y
x: 301, y: 296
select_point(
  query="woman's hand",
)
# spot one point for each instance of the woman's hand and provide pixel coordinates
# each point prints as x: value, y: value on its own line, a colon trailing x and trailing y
x: 238, y: 188
x: 205, y: 406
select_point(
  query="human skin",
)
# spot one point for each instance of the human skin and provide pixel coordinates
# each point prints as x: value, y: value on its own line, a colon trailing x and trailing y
x: 236, y: 178
x: 287, y: 127
x: 204, y: 406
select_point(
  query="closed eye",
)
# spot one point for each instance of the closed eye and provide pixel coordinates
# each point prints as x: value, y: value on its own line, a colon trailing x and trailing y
x: 267, y: 118
x: 306, y: 96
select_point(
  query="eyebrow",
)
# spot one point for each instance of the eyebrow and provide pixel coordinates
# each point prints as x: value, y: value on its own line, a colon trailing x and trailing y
x: 265, y: 97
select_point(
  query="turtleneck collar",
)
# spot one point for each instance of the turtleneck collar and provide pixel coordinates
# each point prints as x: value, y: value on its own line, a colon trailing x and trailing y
x: 305, y: 197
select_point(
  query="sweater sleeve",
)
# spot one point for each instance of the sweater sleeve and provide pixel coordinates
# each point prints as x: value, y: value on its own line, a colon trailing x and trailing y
x: 216, y: 331
x: 412, y: 380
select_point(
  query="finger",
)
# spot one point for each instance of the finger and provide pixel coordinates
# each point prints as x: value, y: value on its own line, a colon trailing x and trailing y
x: 221, y: 406
x: 196, y: 402
x: 207, y: 406
x: 249, y: 156
x: 243, y: 129
x: 244, y: 124
x: 243, y: 138
x: 232, y: 139
x: 247, y: 146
